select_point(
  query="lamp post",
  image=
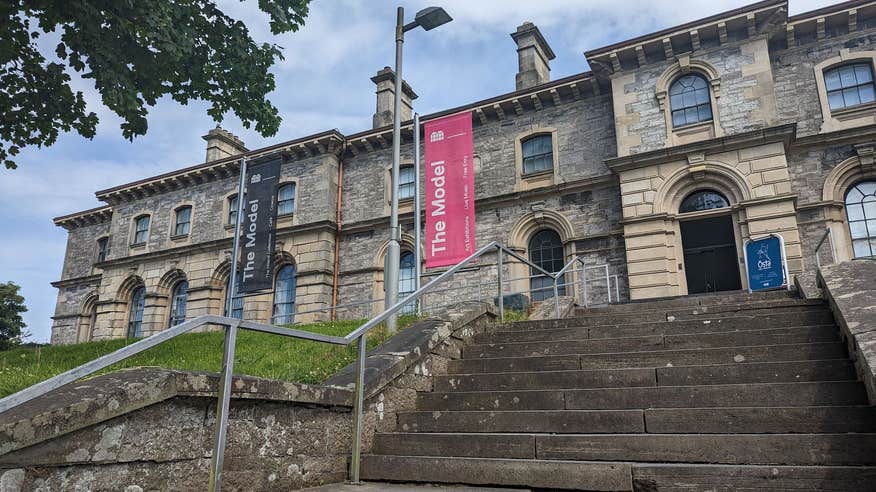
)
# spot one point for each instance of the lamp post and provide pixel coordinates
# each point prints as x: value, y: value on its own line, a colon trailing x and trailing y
x: 429, y: 18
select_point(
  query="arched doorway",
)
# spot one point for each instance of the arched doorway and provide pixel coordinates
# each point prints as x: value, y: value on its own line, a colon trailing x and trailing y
x: 709, y: 243
x: 546, y: 251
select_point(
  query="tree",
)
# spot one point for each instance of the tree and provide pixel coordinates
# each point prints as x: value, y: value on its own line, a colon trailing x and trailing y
x: 11, y: 307
x: 135, y: 51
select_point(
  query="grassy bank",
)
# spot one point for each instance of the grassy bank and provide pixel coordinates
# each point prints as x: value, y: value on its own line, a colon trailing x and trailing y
x: 257, y: 354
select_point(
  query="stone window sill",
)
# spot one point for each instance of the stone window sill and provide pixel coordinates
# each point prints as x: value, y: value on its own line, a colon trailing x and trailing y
x: 853, y: 111
x: 538, y: 174
x: 179, y: 237
x: 229, y: 227
x: 693, y: 126
x: 138, y: 245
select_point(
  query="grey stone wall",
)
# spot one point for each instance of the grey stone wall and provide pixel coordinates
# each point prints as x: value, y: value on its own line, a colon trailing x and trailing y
x: 739, y: 108
x: 81, y: 251
x: 796, y: 93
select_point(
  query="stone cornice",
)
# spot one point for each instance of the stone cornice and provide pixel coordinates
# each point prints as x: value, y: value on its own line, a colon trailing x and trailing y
x: 496, y: 108
x: 751, y: 20
x: 67, y: 282
x: 856, y: 134
x: 325, y: 225
x: 821, y: 23
x: 91, y: 216
x: 487, y: 203
x: 781, y: 133
x: 329, y: 142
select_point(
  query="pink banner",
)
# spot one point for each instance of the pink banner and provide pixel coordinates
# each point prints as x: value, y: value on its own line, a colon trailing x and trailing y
x: 450, y: 211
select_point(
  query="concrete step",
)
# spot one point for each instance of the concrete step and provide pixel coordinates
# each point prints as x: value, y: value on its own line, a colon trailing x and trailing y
x: 713, y: 325
x: 542, y: 474
x: 744, y: 420
x: 539, y: 421
x: 783, y: 305
x: 691, y: 477
x: 703, y: 300
x: 774, y: 336
x: 765, y: 372
x: 839, y: 393
x: 660, y: 358
x: 757, y: 319
x: 742, y: 449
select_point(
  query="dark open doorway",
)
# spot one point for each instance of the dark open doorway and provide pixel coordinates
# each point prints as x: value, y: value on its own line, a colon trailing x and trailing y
x: 710, y: 258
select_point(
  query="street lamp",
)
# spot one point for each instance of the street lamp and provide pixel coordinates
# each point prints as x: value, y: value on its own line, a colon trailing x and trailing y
x: 429, y: 18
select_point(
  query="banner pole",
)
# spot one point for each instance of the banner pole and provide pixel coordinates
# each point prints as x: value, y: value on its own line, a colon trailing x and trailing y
x: 417, y: 232
x: 224, y: 396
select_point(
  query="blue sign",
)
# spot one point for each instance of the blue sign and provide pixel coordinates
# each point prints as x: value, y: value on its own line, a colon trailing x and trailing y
x: 765, y: 263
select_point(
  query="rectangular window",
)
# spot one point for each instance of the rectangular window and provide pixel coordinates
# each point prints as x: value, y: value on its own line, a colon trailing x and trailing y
x: 286, y: 199
x: 406, y: 183
x: 183, y: 221
x: 141, y: 230
x: 849, y: 85
x: 232, y: 210
x: 102, y: 248
x: 538, y: 154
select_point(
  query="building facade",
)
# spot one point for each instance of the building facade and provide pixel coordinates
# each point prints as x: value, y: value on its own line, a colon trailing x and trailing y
x: 660, y: 163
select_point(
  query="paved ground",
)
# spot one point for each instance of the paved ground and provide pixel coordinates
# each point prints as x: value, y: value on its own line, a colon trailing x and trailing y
x: 400, y: 487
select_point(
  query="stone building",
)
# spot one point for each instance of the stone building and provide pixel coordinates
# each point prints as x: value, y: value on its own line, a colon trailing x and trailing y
x: 661, y: 162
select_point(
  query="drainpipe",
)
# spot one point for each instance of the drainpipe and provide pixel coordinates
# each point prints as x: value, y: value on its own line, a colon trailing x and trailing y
x: 338, y: 232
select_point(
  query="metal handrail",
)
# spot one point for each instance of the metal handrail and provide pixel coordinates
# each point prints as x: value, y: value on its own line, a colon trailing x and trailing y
x: 829, y: 236
x: 233, y: 324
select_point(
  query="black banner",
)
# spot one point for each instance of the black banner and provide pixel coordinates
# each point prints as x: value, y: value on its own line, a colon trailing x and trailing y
x: 257, y: 232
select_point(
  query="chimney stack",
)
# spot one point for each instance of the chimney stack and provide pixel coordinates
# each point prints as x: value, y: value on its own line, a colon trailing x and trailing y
x: 385, y: 81
x: 221, y: 144
x: 533, y: 56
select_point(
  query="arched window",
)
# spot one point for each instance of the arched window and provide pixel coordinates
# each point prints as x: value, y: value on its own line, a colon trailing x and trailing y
x: 538, y: 154
x: 183, y: 221
x: 406, y: 276
x: 406, y: 182
x: 689, y: 100
x: 703, y: 200
x: 861, y: 213
x: 849, y: 85
x: 232, y: 210
x: 546, y: 251
x: 284, y: 296
x: 141, y: 229
x: 135, y: 316
x: 236, y: 303
x: 286, y: 199
x: 178, y: 303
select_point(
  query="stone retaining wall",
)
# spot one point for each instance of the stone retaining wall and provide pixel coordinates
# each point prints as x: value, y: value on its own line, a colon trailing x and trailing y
x: 152, y: 429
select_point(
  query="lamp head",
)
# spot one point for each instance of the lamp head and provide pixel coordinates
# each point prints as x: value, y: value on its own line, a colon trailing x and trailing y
x: 431, y: 17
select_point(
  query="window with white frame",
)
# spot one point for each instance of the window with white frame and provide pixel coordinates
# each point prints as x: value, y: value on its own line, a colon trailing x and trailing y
x: 141, y: 229
x: 284, y: 296
x: 183, y: 221
x: 102, y: 249
x: 861, y: 214
x: 286, y: 199
x: 849, y: 85
x: 689, y: 100
x: 179, y: 298
x: 135, y: 314
x: 538, y: 154
x: 406, y: 182
x: 232, y: 210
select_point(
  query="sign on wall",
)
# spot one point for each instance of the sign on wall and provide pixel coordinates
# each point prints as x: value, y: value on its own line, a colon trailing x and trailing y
x: 765, y: 263
x: 257, y: 232
x: 450, y: 211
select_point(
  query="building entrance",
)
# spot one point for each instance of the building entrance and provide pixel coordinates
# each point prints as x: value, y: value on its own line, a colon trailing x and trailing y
x: 710, y: 258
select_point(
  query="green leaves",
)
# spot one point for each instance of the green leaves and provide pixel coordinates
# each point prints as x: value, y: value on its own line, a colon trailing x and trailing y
x: 11, y: 307
x: 135, y: 52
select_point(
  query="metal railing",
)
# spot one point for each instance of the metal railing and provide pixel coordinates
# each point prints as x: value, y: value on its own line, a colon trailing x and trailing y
x: 231, y: 325
x: 828, y: 235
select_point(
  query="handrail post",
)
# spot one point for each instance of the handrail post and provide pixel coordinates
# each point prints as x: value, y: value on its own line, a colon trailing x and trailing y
x: 556, y: 298
x: 221, y: 430
x: 358, y: 401
x: 832, y: 246
x: 501, y: 297
x: 607, y: 283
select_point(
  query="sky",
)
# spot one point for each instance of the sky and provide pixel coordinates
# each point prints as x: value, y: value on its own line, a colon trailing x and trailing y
x: 323, y: 83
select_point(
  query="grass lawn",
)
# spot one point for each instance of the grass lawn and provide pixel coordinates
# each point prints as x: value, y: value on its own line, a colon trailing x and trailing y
x: 257, y: 354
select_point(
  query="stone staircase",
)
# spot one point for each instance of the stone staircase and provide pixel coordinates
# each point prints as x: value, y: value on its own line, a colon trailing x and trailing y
x: 715, y: 392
